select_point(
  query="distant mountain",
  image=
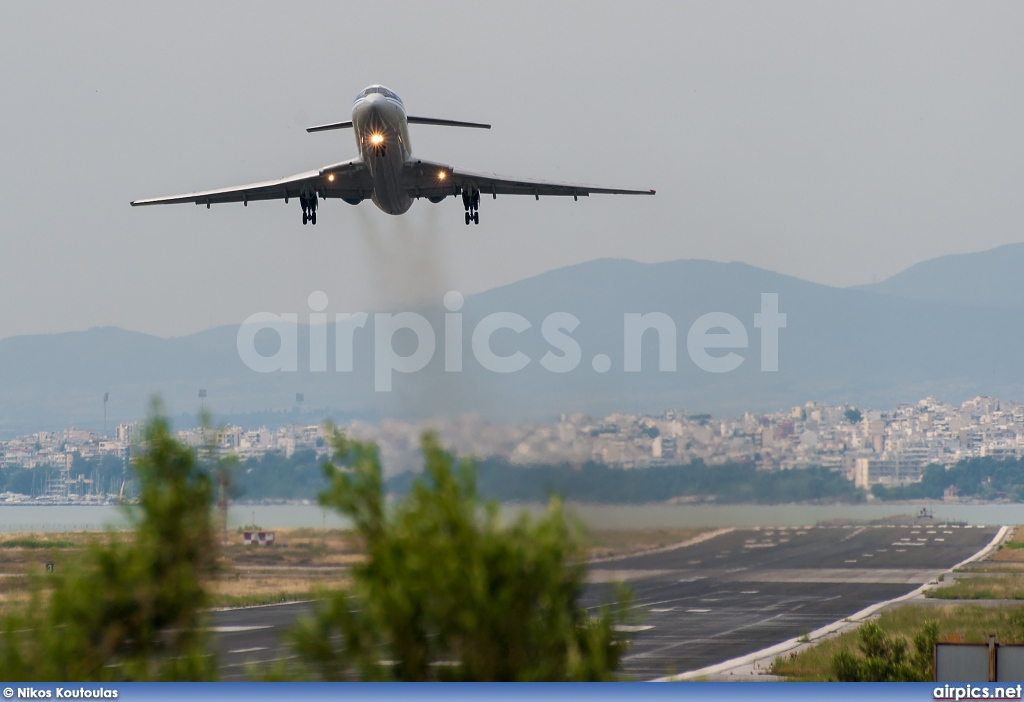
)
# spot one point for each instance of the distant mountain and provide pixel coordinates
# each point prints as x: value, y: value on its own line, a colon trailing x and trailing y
x: 993, y: 278
x: 870, y: 347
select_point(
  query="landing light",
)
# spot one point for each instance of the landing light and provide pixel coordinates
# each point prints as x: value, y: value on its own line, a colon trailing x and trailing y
x: 441, y: 175
x: 331, y: 177
x: 376, y: 138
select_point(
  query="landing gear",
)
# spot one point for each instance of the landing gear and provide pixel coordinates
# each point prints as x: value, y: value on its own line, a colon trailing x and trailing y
x: 471, y: 201
x: 309, y: 204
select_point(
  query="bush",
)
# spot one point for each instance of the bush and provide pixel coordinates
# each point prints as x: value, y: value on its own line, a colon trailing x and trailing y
x: 447, y: 593
x: 885, y: 658
x: 131, y: 611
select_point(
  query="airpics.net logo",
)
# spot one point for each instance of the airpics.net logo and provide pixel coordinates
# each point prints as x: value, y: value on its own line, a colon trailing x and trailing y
x: 715, y: 341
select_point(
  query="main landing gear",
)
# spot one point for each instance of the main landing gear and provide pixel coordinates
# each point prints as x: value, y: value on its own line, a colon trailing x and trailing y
x: 471, y: 201
x: 309, y: 203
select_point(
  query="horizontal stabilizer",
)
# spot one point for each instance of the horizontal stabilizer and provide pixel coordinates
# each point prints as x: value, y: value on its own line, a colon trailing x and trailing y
x: 446, y: 122
x: 333, y: 125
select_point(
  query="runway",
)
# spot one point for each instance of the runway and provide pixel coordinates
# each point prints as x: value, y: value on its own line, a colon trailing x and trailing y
x: 749, y: 589
x: 722, y: 598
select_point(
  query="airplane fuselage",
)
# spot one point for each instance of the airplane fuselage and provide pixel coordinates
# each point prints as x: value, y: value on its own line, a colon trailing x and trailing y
x: 382, y: 137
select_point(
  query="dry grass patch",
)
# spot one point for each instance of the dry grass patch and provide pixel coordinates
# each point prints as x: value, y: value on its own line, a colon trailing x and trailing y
x: 295, y: 547
x: 1012, y: 549
x: 603, y: 543
x: 237, y: 590
x: 982, y: 587
x: 967, y: 623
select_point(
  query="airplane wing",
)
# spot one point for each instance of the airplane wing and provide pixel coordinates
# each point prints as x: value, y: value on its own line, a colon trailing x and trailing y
x: 348, y: 179
x: 433, y: 179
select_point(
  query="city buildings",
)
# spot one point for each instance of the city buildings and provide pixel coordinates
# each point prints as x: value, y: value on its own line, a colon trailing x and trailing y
x: 869, y: 446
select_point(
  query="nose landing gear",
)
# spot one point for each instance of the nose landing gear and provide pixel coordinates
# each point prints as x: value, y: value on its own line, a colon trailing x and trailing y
x: 471, y: 201
x: 309, y: 205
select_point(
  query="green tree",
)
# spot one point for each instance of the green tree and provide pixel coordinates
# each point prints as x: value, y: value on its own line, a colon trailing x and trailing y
x: 885, y: 658
x: 131, y: 610
x: 853, y: 415
x: 448, y: 593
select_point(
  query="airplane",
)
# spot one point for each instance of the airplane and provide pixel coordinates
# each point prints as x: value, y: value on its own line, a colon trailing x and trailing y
x: 385, y: 171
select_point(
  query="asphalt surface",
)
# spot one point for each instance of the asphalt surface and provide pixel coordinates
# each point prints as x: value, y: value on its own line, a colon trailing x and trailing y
x: 749, y: 589
x: 709, y: 602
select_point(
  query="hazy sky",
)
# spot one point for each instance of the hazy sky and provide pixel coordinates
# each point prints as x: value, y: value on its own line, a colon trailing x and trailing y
x: 837, y: 142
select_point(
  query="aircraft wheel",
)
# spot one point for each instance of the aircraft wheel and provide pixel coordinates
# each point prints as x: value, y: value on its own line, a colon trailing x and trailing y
x: 476, y: 218
x: 312, y: 217
x: 467, y: 218
x: 305, y: 218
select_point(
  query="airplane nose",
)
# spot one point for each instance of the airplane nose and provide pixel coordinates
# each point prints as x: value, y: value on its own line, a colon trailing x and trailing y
x: 373, y: 106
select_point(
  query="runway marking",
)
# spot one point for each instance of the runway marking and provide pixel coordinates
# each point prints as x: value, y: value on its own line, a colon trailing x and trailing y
x: 938, y: 539
x: 662, y: 610
x: 632, y: 627
x: 656, y: 652
x: 698, y: 611
x: 246, y: 664
x: 249, y: 650
x: 867, y: 555
x: 749, y: 592
x: 882, y: 576
x: 608, y: 575
x: 237, y: 629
